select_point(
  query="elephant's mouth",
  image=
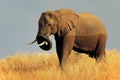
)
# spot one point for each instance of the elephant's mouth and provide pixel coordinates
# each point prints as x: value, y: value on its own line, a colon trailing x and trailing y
x: 44, y: 43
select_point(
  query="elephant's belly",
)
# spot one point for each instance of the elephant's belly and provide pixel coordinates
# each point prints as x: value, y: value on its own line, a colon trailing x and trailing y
x: 86, y: 43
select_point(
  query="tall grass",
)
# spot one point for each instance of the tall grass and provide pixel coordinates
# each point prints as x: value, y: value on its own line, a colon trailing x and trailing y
x: 39, y: 66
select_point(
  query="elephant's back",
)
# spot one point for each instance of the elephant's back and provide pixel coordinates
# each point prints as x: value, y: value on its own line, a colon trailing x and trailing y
x: 89, y: 18
x: 87, y: 15
x: 90, y: 24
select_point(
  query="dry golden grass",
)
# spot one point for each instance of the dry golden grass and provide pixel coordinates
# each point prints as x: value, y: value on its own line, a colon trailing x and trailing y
x: 36, y: 66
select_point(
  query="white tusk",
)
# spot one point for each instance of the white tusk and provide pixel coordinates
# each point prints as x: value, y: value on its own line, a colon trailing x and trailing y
x: 32, y: 42
x: 44, y: 42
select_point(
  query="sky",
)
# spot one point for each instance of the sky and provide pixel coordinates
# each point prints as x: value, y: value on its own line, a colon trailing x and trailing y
x: 19, y: 21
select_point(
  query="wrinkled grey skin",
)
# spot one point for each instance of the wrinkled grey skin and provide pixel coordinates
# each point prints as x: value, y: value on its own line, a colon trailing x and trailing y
x: 82, y: 32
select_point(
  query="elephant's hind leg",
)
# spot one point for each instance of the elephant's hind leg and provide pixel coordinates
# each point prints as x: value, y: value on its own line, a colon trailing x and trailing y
x: 92, y: 54
x: 100, y: 48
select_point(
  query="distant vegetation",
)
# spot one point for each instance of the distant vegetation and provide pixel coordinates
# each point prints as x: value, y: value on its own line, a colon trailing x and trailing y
x: 39, y: 66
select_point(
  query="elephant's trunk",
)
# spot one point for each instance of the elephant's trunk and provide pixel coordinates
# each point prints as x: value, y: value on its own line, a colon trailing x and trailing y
x: 44, y: 43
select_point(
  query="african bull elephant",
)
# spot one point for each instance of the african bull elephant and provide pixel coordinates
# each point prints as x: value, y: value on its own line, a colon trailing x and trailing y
x: 82, y: 32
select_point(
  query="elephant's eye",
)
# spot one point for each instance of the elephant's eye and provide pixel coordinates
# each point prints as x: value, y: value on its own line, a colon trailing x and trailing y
x: 49, y: 24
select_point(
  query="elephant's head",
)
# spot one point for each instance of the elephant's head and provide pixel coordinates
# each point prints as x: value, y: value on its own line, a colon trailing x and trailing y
x: 47, y: 25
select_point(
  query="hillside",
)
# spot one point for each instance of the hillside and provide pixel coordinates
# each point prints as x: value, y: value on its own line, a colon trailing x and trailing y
x: 39, y: 66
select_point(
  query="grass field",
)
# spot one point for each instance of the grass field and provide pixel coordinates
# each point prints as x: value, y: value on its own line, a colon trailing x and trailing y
x: 39, y: 66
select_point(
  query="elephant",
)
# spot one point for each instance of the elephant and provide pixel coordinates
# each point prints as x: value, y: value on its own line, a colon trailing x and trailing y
x: 82, y: 32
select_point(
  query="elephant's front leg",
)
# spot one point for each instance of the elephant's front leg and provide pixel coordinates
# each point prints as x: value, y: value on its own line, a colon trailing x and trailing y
x: 68, y: 42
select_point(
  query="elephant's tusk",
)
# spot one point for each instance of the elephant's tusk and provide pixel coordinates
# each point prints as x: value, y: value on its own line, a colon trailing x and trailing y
x: 44, y: 42
x: 32, y: 42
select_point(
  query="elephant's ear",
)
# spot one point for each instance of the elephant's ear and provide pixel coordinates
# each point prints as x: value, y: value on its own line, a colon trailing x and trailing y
x: 67, y: 23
